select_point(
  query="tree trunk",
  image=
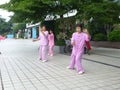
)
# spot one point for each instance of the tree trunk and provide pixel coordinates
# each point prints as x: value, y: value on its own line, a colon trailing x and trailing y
x: 61, y: 16
x: 108, y: 28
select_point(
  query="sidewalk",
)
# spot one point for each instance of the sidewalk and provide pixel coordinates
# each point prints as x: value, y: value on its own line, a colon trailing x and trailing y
x: 105, y: 55
x: 20, y: 69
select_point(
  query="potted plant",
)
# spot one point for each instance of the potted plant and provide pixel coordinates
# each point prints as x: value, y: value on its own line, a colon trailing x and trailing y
x: 60, y: 42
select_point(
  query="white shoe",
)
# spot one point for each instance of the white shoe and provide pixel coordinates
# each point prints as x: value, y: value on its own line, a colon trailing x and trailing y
x: 68, y: 67
x: 39, y: 59
x: 51, y: 55
x: 44, y: 61
x: 81, y: 72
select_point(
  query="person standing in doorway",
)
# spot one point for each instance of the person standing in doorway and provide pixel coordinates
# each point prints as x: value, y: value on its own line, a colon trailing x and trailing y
x: 51, y: 43
x: 43, y: 37
x: 78, y: 41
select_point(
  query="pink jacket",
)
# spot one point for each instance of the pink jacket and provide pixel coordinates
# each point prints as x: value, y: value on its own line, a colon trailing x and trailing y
x: 44, y: 38
x: 51, y: 39
x: 79, y: 40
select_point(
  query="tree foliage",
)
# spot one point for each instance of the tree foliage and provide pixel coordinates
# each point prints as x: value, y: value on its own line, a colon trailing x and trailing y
x: 36, y: 10
x: 5, y: 27
x: 103, y: 11
x: 19, y: 26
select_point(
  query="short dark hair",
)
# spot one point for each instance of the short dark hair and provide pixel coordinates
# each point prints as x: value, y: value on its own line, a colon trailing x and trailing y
x: 79, y: 25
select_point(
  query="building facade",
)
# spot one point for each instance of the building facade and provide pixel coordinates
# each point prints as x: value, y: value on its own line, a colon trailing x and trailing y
x: 32, y: 30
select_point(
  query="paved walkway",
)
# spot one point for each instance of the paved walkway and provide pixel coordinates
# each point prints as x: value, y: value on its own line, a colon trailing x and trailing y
x: 20, y: 69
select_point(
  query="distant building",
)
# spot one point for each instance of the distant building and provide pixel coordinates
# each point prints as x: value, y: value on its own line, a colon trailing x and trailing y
x: 32, y: 30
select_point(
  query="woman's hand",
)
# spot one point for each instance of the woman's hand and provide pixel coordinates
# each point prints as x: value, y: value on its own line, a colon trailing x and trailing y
x: 33, y: 40
x: 73, y: 43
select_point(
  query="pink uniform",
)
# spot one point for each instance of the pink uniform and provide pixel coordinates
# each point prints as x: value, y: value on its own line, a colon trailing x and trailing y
x: 43, y: 45
x: 51, y: 43
x: 78, y: 49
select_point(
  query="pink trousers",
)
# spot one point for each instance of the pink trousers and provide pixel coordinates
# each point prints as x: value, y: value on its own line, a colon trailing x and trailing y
x: 76, y: 59
x: 51, y: 52
x: 43, y: 52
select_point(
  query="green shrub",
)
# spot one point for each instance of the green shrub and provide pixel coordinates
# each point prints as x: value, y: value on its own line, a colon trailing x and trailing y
x: 60, y: 42
x: 100, y: 37
x: 114, y: 36
x: 69, y: 33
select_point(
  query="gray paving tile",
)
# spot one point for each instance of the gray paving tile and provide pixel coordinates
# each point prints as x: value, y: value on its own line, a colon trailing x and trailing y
x: 21, y: 70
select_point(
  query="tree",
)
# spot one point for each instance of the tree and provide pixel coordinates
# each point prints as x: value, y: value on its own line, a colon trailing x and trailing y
x: 105, y: 13
x: 36, y: 10
x: 19, y: 26
x: 5, y: 27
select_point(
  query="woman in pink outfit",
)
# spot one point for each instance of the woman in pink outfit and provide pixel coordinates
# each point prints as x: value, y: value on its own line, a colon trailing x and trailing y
x: 51, y: 43
x: 78, y: 41
x: 43, y: 37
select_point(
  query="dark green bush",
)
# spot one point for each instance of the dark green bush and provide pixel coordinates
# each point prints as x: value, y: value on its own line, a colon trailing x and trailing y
x: 59, y: 42
x: 114, y: 36
x: 100, y: 37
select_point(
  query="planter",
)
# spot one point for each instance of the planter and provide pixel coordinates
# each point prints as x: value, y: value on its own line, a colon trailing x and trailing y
x: 105, y: 44
x: 61, y: 49
x: 60, y: 46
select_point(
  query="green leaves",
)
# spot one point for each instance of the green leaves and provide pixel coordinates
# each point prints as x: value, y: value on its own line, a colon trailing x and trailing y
x: 19, y: 26
x: 105, y: 12
x: 36, y: 10
x: 5, y: 27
